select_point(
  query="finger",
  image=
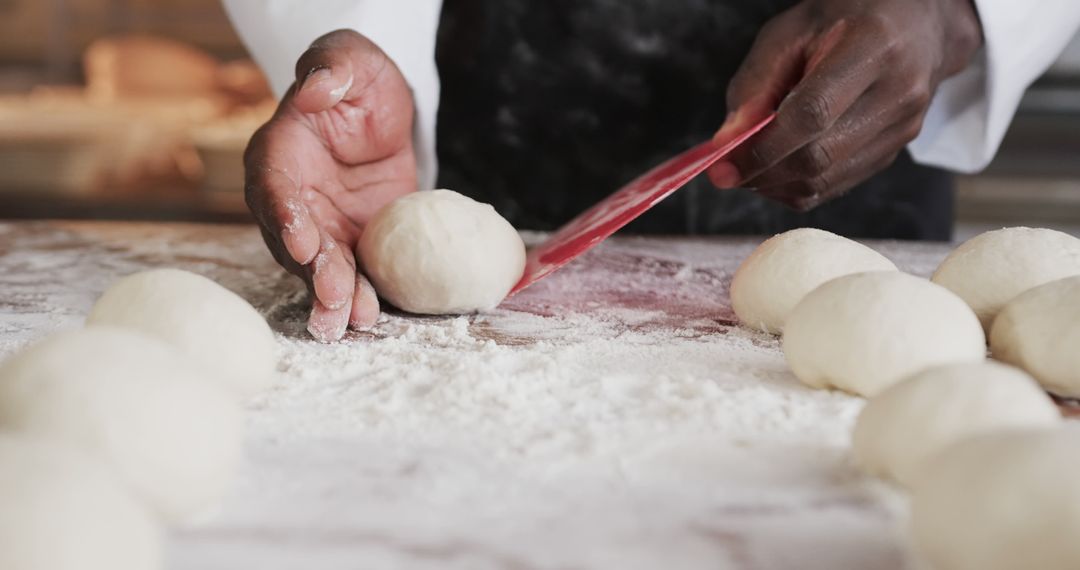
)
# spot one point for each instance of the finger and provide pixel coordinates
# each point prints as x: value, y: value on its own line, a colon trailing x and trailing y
x: 768, y: 72
x: 332, y: 275
x: 282, y: 257
x: 867, y: 120
x: 335, y: 67
x: 840, y: 73
x: 807, y: 194
x: 328, y: 325
x: 274, y: 199
x: 365, y: 305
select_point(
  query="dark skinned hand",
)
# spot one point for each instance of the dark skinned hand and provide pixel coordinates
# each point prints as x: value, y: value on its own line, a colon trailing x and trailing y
x: 851, y: 81
x: 338, y: 148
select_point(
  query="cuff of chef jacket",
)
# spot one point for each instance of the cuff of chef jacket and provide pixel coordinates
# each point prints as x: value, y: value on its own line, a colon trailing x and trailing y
x: 972, y: 110
x: 277, y: 32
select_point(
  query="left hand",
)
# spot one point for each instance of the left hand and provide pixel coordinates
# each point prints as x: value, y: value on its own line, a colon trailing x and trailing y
x: 851, y: 81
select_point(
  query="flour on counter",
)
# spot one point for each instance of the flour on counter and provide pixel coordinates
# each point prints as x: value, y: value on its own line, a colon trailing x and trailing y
x: 611, y: 416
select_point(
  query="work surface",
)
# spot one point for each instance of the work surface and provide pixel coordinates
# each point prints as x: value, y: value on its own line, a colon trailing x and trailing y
x: 611, y: 416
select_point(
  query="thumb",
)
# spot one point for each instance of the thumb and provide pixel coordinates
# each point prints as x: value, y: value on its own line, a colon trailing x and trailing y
x: 337, y: 66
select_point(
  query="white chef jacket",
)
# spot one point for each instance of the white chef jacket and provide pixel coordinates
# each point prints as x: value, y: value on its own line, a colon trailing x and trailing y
x: 963, y: 128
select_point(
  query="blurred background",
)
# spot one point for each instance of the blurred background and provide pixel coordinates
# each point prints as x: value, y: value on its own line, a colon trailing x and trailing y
x: 140, y: 109
x: 124, y: 109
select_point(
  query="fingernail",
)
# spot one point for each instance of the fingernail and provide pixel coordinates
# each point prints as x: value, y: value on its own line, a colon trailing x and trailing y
x: 724, y: 175
x: 321, y: 71
x: 338, y: 93
x: 326, y: 325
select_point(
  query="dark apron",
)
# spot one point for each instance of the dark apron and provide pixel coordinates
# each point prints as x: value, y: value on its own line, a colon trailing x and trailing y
x: 547, y: 106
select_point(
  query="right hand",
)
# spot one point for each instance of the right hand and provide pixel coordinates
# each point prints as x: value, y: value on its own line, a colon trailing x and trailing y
x: 338, y: 148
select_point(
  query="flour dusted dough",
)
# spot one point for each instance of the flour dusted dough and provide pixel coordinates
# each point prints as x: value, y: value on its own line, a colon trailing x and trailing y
x: 210, y: 325
x: 59, y: 510
x: 1039, y: 331
x: 864, y: 332
x: 992, y: 268
x: 439, y: 252
x: 908, y: 422
x: 1004, y: 501
x: 133, y: 402
x: 784, y: 268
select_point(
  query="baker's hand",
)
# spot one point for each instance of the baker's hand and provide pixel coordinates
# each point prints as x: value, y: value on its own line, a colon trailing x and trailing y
x: 851, y: 81
x: 338, y: 148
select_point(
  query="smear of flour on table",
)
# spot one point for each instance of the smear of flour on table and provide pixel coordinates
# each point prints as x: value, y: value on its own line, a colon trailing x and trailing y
x: 641, y: 448
x: 593, y: 436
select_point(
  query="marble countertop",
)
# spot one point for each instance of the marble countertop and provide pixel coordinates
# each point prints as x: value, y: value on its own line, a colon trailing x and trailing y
x: 611, y: 416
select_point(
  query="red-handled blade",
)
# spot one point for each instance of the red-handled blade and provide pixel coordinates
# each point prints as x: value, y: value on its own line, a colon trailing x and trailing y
x: 606, y: 217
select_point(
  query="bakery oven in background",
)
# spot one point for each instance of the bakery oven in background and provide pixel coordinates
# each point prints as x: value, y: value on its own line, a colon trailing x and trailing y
x: 131, y: 109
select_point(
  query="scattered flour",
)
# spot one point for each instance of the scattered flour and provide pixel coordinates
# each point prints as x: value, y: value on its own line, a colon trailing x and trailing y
x: 609, y: 417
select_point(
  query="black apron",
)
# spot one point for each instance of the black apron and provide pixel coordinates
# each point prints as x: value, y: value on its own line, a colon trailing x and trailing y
x: 547, y: 106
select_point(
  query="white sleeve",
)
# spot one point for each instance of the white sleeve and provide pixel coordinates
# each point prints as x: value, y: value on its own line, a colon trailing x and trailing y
x: 277, y: 32
x: 972, y: 110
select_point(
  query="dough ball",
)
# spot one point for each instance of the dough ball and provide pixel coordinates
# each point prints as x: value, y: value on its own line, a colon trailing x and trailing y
x: 174, y: 438
x: 783, y: 269
x: 209, y: 324
x: 990, y: 269
x: 1001, y: 502
x: 1039, y: 331
x: 60, y: 510
x: 864, y: 332
x: 911, y: 420
x: 439, y: 252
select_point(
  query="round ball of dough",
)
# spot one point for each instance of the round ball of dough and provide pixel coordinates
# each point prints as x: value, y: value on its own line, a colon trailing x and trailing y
x: 206, y: 322
x: 864, y: 332
x: 990, y: 269
x: 439, y: 252
x: 60, y: 510
x: 172, y: 437
x: 1001, y: 502
x: 910, y: 421
x: 1039, y: 331
x: 785, y: 267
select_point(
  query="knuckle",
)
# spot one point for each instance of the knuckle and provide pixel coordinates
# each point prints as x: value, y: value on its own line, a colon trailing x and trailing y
x: 753, y: 160
x: 915, y: 98
x: 813, y: 112
x: 885, y: 31
x: 816, y: 158
x: 911, y: 132
x: 874, y: 23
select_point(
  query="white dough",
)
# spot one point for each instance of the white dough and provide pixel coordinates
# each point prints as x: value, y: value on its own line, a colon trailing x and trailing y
x: 990, y: 269
x: 864, y: 332
x: 1039, y: 331
x: 174, y: 438
x: 209, y: 324
x: 59, y: 510
x: 439, y: 252
x: 1007, y: 501
x: 910, y: 421
x: 785, y: 267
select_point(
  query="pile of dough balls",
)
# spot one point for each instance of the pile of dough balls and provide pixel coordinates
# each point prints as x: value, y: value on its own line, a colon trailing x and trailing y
x: 135, y: 420
x: 980, y: 444
x: 849, y: 318
x: 438, y: 252
x: 783, y: 269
